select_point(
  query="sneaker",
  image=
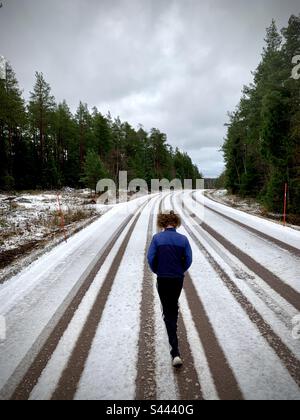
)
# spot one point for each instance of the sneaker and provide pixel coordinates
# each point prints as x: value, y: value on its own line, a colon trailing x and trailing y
x: 177, y: 362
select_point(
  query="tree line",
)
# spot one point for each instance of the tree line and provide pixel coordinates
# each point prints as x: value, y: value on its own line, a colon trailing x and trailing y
x: 262, y: 147
x: 44, y: 146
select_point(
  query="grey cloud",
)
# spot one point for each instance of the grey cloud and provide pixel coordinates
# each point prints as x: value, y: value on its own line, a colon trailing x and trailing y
x: 171, y: 64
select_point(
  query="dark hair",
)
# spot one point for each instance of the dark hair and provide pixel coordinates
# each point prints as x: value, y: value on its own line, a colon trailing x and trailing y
x: 168, y: 219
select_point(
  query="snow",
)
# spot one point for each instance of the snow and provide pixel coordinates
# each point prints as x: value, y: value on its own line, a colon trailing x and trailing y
x: 245, y: 205
x: 30, y: 225
x: 42, y: 291
x: 32, y: 216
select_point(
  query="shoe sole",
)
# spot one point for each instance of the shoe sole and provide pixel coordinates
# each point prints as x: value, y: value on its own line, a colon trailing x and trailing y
x: 178, y: 365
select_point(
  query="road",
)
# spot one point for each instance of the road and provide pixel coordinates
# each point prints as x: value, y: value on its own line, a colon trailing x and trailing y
x: 84, y: 321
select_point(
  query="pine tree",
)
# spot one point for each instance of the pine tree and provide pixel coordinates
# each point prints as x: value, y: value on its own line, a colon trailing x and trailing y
x: 41, y: 110
x: 102, y: 134
x: 118, y: 156
x: 66, y: 146
x: 158, y: 145
x: 84, y: 125
x: 12, y: 118
x: 93, y: 170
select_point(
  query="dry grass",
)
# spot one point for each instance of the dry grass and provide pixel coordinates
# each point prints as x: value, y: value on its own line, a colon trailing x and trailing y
x: 70, y: 217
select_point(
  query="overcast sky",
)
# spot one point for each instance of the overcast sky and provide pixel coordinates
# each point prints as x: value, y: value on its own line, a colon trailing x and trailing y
x: 178, y: 65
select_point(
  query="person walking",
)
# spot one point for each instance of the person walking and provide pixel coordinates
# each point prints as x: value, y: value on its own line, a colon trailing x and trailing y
x: 170, y: 257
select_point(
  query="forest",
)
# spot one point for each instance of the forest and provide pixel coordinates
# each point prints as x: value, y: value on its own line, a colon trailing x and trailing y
x: 43, y: 145
x: 262, y: 147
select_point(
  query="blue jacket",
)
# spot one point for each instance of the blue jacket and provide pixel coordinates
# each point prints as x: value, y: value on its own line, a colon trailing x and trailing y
x: 170, y: 254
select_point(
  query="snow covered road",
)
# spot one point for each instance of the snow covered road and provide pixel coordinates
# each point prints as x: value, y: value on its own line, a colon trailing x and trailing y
x: 84, y: 321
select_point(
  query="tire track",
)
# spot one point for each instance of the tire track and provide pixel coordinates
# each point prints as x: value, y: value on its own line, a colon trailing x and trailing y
x: 30, y: 379
x: 294, y: 251
x: 146, y: 378
x: 223, y: 376
x: 289, y: 360
x: 68, y: 383
x: 187, y: 376
x: 283, y: 289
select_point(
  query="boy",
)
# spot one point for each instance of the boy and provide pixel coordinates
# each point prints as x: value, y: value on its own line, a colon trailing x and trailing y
x: 170, y: 257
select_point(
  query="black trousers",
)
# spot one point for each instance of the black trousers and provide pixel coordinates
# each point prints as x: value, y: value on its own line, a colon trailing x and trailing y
x: 169, y: 290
